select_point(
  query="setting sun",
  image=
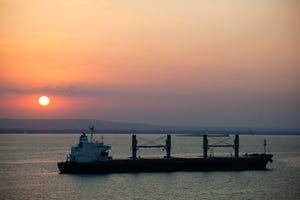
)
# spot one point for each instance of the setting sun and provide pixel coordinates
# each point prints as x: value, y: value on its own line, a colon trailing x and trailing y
x: 44, y: 100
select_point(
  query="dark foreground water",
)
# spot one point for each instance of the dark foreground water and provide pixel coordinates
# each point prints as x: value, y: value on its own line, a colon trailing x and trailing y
x: 28, y: 171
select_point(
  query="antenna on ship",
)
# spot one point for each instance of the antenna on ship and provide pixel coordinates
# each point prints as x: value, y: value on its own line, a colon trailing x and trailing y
x: 265, y: 145
x: 92, y: 127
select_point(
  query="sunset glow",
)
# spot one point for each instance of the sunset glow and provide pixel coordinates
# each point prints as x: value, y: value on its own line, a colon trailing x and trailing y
x: 195, y: 63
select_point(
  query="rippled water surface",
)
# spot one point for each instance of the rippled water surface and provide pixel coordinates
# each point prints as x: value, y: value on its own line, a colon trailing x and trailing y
x: 28, y: 170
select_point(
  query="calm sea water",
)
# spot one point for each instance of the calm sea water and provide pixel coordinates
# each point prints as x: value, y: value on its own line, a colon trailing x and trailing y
x: 28, y: 170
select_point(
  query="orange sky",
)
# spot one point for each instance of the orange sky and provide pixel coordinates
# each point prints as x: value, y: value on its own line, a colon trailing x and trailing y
x: 202, y: 63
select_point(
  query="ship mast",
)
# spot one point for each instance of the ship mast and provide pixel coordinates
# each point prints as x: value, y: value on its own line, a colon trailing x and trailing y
x: 92, y: 127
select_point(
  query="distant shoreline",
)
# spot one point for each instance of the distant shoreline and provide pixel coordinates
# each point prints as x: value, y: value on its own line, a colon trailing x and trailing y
x: 56, y: 126
x: 126, y: 131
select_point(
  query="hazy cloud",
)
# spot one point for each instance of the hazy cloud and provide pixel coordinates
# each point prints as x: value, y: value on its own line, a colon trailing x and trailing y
x: 71, y: 90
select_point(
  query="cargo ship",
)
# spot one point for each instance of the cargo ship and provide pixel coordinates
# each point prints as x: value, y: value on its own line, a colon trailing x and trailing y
x: 91, y: 156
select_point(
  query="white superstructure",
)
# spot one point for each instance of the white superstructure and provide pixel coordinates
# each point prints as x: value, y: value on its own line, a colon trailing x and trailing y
x: 89, y: 151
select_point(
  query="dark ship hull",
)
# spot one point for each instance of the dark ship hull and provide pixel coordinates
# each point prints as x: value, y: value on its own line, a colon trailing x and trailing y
x: 248, y: 162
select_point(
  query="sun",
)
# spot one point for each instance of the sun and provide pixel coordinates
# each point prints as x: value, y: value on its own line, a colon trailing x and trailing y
x: 44, y: 101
